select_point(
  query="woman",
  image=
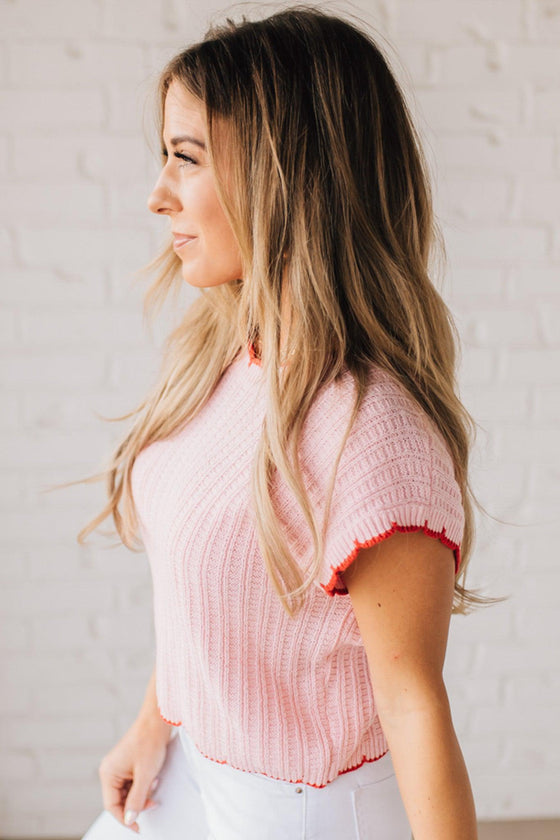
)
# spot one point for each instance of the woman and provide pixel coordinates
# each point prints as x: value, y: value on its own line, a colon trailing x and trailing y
x: 299, y: 473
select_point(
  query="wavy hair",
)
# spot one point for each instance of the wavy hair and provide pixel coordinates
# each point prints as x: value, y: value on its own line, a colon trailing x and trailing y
x: 329, y: 191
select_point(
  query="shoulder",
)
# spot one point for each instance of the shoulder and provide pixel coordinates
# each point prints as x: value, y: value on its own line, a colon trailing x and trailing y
x: 396, y: 473
x: 390, y: 427
x: 394, y: 454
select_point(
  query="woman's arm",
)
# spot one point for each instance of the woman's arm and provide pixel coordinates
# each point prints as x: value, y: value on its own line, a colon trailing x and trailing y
x: 402, y: 592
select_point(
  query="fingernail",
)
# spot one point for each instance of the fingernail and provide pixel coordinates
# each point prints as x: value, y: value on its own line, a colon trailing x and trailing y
x: 130, y: 816
x: 154, y: 783
x: 151, y: 805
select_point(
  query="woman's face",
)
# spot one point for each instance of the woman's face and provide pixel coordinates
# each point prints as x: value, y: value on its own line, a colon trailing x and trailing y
x: 185, y: 191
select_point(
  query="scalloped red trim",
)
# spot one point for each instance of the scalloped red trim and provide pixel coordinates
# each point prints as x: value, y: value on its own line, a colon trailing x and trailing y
x: 253, y: 358
x: 440, y: 535
x: 168, y: 721
x: 297, y: 781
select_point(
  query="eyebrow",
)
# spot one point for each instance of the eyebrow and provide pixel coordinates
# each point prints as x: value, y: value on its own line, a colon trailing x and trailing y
x: 187, y: 138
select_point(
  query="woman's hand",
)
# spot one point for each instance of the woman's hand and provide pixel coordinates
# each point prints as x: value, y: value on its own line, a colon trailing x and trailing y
x: 128, y: 773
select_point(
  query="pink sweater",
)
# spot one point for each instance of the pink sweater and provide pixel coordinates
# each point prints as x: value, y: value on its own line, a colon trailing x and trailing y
x: 288, y: 698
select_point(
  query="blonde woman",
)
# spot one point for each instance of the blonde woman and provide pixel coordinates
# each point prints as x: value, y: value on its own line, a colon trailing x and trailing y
x: 298, y: 477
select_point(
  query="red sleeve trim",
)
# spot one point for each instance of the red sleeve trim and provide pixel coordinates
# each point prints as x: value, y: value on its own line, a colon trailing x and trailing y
x: 331, y: 589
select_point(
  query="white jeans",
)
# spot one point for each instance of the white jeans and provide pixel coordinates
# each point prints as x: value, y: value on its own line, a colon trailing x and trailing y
x: 204, y: 800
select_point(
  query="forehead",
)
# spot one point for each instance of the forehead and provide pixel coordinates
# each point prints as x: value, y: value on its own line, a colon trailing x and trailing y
x: 183, y: 112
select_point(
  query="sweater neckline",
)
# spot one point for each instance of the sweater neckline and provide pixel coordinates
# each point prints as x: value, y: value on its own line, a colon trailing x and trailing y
x: 254, y: 359
x: 252, y: 354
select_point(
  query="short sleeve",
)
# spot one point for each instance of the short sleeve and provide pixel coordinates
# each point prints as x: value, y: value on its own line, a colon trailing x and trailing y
x: 395, y: 474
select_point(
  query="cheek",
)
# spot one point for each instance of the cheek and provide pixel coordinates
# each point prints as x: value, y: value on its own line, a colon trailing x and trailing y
x: 219, y: 234
x: 218, y: 253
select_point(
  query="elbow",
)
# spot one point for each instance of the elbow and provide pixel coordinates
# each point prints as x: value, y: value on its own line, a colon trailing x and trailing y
x: 409, y: 702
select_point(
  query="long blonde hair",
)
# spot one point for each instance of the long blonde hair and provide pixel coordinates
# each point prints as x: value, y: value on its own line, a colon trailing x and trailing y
x: 328, y: 189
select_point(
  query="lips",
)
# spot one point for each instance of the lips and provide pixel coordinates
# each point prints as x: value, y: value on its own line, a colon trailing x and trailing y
x: 180, y: 239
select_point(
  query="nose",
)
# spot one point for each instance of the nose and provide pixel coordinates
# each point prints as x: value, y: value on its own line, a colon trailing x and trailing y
x: 162, y: 199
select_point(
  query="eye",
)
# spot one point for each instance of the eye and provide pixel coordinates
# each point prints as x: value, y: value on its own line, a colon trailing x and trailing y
x: 186, y: 158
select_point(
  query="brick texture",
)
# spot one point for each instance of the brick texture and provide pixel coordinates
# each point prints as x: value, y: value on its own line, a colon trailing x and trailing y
x: 76, y: 646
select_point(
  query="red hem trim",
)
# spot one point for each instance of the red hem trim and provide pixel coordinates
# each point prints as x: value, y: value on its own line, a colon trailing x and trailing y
x: 330, y: 589
x: 363, y: 761
x: 298, y: 781
x: 168, y: 721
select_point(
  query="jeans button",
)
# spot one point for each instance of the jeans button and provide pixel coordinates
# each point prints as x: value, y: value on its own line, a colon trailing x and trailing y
x: 299, y: 790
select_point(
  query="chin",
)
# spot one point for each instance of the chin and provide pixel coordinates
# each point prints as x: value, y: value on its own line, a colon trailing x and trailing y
x: 203, y: 283
x: 208, y: 279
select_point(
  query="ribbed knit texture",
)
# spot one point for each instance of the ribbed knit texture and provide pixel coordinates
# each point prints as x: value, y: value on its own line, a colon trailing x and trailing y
x: 288, y: 698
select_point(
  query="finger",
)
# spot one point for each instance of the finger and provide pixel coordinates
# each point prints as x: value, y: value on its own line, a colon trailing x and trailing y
x: 114, y: 791
x: 138, y: 797
x: 130, y: 819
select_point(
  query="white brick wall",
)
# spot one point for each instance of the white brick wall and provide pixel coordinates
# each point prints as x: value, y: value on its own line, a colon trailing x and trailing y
x: 77, y: 642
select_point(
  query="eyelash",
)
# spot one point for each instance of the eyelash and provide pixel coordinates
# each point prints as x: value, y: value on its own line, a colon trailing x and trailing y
x: 182, y: 157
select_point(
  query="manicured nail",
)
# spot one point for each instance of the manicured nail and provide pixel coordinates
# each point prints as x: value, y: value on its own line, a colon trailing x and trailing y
x: 154, y: 784
x: 130, y: 816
